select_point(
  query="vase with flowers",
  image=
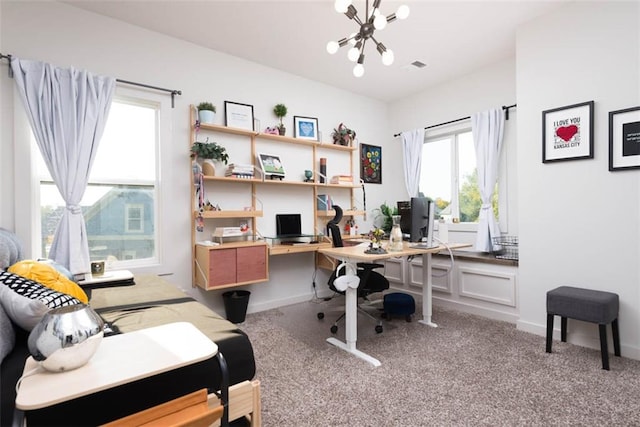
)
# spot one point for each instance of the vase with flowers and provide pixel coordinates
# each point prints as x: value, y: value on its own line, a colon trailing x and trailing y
x: 375, y: 246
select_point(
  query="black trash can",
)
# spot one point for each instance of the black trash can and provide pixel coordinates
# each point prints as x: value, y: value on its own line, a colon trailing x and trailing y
x: 235, y: 305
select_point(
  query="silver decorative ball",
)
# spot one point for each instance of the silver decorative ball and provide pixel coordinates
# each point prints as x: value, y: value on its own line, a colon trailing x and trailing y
x: 66, y: 337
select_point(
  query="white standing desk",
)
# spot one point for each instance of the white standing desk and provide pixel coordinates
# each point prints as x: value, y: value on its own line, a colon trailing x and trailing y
x: 120, y: 359
x: 355, y: 254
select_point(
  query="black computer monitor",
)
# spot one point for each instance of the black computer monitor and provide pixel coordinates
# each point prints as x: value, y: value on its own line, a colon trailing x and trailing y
x: 422, y: 215
x: 404, y: 210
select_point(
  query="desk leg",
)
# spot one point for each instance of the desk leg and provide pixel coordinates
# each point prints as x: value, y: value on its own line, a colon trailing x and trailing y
x: 351, y: 328
x: 427, y: 282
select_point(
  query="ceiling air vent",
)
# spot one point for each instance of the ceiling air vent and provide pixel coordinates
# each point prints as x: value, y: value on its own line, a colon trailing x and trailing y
x: 418, y: 64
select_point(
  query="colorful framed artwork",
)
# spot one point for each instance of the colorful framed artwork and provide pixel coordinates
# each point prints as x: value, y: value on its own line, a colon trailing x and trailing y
x: 567, y: 133
x: 371, y: 164
x: 238, y: 115
x: 305, y: 127
x: 271, y: 165
x: 624, y: 139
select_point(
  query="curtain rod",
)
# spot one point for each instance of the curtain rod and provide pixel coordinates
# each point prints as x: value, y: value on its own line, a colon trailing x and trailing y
x: 506, y: 116
x: 173, y: 92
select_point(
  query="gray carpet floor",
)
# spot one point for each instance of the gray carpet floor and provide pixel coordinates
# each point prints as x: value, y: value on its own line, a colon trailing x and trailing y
x: 470, y: 371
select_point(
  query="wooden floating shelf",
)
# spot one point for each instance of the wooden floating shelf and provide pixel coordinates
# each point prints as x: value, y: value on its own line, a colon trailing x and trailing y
x: 226, y: 129
x: 331, y: 213
x: 277, y: 182
x: 229, y: 214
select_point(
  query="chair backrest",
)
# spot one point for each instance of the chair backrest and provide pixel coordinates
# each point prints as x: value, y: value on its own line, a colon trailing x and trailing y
x: 333, y: 227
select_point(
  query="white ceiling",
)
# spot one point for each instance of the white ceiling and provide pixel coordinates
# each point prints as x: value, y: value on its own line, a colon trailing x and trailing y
x: 452, y: 37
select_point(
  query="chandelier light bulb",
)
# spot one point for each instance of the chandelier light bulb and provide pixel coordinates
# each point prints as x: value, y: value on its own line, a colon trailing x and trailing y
x: 403, y: 12
x: 353, y: 54
x: 332, y: 47
x: 358, y: 70
x: 341, y: 6
x: 380, y: 22
x: 387, y: 57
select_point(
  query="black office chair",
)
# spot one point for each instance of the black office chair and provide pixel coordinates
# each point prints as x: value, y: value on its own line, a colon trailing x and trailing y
x: 370, y: 281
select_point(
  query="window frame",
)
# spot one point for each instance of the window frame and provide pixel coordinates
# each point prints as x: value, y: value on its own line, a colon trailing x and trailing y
x: 28, y: 182
x: 455, y: 130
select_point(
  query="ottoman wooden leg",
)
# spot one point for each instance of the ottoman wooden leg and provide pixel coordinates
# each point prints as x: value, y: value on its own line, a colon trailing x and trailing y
x: 549, y: 331
x: 603, y: 346
x: 616, y: 337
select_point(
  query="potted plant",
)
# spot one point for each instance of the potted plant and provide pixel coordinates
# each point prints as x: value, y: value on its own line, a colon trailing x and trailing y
x: 209, y: 151
x: 280, y: 110
x: 343, y: 135
x: 206, y: 112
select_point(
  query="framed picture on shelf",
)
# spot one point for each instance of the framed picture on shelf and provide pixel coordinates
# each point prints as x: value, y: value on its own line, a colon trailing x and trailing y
x: 370, y: 164
x: 567, y: 133
x: 271, y: 165
x: 624, y: 139
x: 238, y: 115
x: 305, y: 127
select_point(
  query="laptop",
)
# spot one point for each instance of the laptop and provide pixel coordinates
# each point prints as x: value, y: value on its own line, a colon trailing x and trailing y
x: 108, y: 279
x: 289, y: 227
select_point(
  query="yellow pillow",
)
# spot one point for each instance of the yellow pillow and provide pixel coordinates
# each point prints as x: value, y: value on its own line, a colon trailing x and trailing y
x: 48, y: 276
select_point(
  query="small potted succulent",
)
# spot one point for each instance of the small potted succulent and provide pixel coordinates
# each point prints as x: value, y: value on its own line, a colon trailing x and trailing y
x: 206, y: 112
x: 343, y: 135
x: 280, y: 110
x: 209, y: 151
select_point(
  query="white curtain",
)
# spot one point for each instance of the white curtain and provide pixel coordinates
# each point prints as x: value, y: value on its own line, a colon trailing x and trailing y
x: 67, y: 109
x: 488, y: 129
x: 412, y: 142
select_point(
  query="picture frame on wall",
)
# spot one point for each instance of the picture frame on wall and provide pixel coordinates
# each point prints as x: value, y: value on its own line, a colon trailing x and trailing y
x: 237, y: 115
x: 567, y: 133
x: 624, y: 139
x: 305, y: 127
x: 370, y: 164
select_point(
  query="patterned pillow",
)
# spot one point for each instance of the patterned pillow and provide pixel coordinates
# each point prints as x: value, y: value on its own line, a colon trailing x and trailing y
x: 26, y: 301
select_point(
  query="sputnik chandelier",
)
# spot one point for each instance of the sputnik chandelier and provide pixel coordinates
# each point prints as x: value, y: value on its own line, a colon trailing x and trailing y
x: 374, y: 21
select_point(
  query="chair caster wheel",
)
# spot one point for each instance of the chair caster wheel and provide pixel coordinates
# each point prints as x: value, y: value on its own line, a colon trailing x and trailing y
x: 320, y: 316
x: 334, y: 329
x: 408, y: 318
x: 379, y: 329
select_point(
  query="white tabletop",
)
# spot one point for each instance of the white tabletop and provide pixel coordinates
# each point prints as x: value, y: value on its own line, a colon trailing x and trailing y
x: 120, y: 359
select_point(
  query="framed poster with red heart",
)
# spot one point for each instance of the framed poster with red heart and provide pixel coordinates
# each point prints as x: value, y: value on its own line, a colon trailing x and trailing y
x: 567, y: 133
x: 624, y: 139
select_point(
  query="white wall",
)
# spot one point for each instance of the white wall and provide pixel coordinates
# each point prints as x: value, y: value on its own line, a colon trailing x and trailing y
x: 579, y: 222
x: 65, y: 36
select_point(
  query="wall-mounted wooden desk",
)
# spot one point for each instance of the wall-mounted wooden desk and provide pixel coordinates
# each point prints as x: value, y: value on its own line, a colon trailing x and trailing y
x: 297, y: 248
x: 355, y: 254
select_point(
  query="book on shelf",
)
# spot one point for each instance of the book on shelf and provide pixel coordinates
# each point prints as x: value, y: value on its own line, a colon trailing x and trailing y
x: 341, y: 179
x: 324, y: 202
x: 236, y: 170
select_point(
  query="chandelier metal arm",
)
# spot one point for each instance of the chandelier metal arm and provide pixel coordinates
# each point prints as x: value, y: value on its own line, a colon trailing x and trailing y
x: 368, y: 25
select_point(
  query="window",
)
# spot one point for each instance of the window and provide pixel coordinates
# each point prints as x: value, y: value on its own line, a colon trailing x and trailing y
x: 120, y: 202
x: 449, y: 176
x: 133, y: 222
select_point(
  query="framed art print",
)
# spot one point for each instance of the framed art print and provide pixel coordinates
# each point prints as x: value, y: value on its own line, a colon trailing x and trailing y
x: 271, y: 165
x: 370, y: 164
x: 305, y: 127
x: 624, y: 139
x: 238, y: 115
x: 567, y: 133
